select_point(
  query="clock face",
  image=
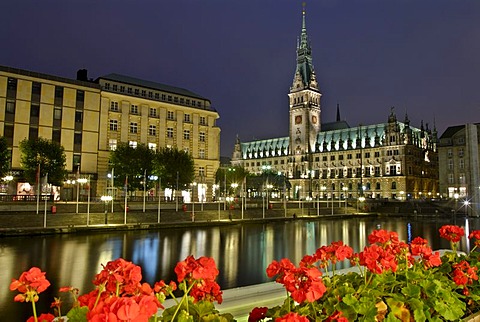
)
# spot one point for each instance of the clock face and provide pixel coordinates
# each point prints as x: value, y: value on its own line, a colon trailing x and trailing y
x: 298, y: 119
x: 314, y: 119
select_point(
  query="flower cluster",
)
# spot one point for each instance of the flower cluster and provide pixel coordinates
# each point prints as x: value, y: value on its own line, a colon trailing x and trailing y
x: 389, y: 280
x: 394, y: 281
x: 121, y: 296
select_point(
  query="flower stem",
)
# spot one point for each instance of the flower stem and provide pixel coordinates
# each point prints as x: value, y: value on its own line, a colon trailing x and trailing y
x: 185, y: 295
x: 34, y: 311
x: 100, y: 290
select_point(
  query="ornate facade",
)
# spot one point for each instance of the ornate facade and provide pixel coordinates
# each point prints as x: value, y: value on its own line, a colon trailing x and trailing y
x: 386, y: 160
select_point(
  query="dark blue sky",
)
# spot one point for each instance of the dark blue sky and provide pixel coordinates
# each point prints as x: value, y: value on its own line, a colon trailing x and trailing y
x: 422, y: 57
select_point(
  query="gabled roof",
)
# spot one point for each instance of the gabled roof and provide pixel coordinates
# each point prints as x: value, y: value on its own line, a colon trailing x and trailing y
x: 151, y: 85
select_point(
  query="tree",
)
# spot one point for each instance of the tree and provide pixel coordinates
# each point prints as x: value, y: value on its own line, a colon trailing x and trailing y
x: 46, y: 155
x: 170, y: 164
x: 4, y: 157
x: 134, y: 163
x: 226, y: 176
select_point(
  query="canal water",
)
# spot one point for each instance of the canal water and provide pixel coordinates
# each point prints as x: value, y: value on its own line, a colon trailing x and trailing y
x: 242, y: 251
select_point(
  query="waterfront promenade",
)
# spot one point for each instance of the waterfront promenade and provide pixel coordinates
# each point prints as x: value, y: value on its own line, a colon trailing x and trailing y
x: 23, y: 219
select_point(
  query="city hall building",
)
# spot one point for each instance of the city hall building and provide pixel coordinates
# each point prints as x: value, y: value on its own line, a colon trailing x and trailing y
x: 333, y: 160
x: 90, y: 117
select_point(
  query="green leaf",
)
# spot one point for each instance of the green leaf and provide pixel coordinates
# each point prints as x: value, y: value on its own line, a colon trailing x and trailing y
x: 411, y: 291
x: 350, y: 300
x: 78, y: 314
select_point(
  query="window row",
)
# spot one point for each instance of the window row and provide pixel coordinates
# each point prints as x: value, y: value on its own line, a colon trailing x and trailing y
x: 460, y: 152
x: 153, y: 112
x: 152, y: 130
x: 113, y: 143
x: 153, y: 95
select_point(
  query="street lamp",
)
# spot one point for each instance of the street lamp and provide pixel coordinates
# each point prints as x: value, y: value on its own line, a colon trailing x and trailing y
x: 269, y: 186
x: 456, y: 195
x: 345, y: 189
x: 106, y: 199
x: 323, y: 189
x: 194, y: 185
x: 466, y: 203
x: 79, y: 181
x: 216, y: 188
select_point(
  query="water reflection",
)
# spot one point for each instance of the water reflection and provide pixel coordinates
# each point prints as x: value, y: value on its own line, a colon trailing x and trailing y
x: 242, y: 252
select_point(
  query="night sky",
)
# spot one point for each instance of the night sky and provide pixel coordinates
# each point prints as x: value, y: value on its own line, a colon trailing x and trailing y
x: 421, y: 56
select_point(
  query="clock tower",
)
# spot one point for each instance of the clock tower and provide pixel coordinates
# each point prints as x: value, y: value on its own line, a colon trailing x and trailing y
x: 304, y: 100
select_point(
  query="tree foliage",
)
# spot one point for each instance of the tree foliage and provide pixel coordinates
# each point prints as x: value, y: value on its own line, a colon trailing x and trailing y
x: 134, y: 163
x: 165, y: 163
x: 227, y: 176
x: 4, y: 157
x: 48, y: 154
x: 171, y: 164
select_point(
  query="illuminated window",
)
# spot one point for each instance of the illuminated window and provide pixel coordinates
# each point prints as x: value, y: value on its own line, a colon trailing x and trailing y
x: 112, y: 144
x: 113, y: 125
x: 133, y: 144
x: 201, y: 153
x: 133, y: 127
x: 152, y: 146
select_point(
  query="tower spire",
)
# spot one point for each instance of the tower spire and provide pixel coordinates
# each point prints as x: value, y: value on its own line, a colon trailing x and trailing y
x: 338, y: 113
x: 305, y: 73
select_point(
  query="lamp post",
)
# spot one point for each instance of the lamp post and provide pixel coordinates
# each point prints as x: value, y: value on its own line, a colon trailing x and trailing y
x: 194, y: 185
x: 466, y: 203
x: 269, y: 186
x: 361, y: 199
x: 345, y: 189
x: 79, y: 181
x: 89, y: 187
x: 323, y: 189
x: 106, y: 199
x: 234, y: 187
x: 144, y: 188
x: 216, y: 188
x: 456, y: 195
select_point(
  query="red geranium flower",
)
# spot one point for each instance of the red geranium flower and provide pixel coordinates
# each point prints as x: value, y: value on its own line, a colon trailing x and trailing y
x: 44, y: 317
x: 452, y: 233
x: 292, y: 317
x: 475, y: 234
x: 30, y: 284
x: 257, y: 314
